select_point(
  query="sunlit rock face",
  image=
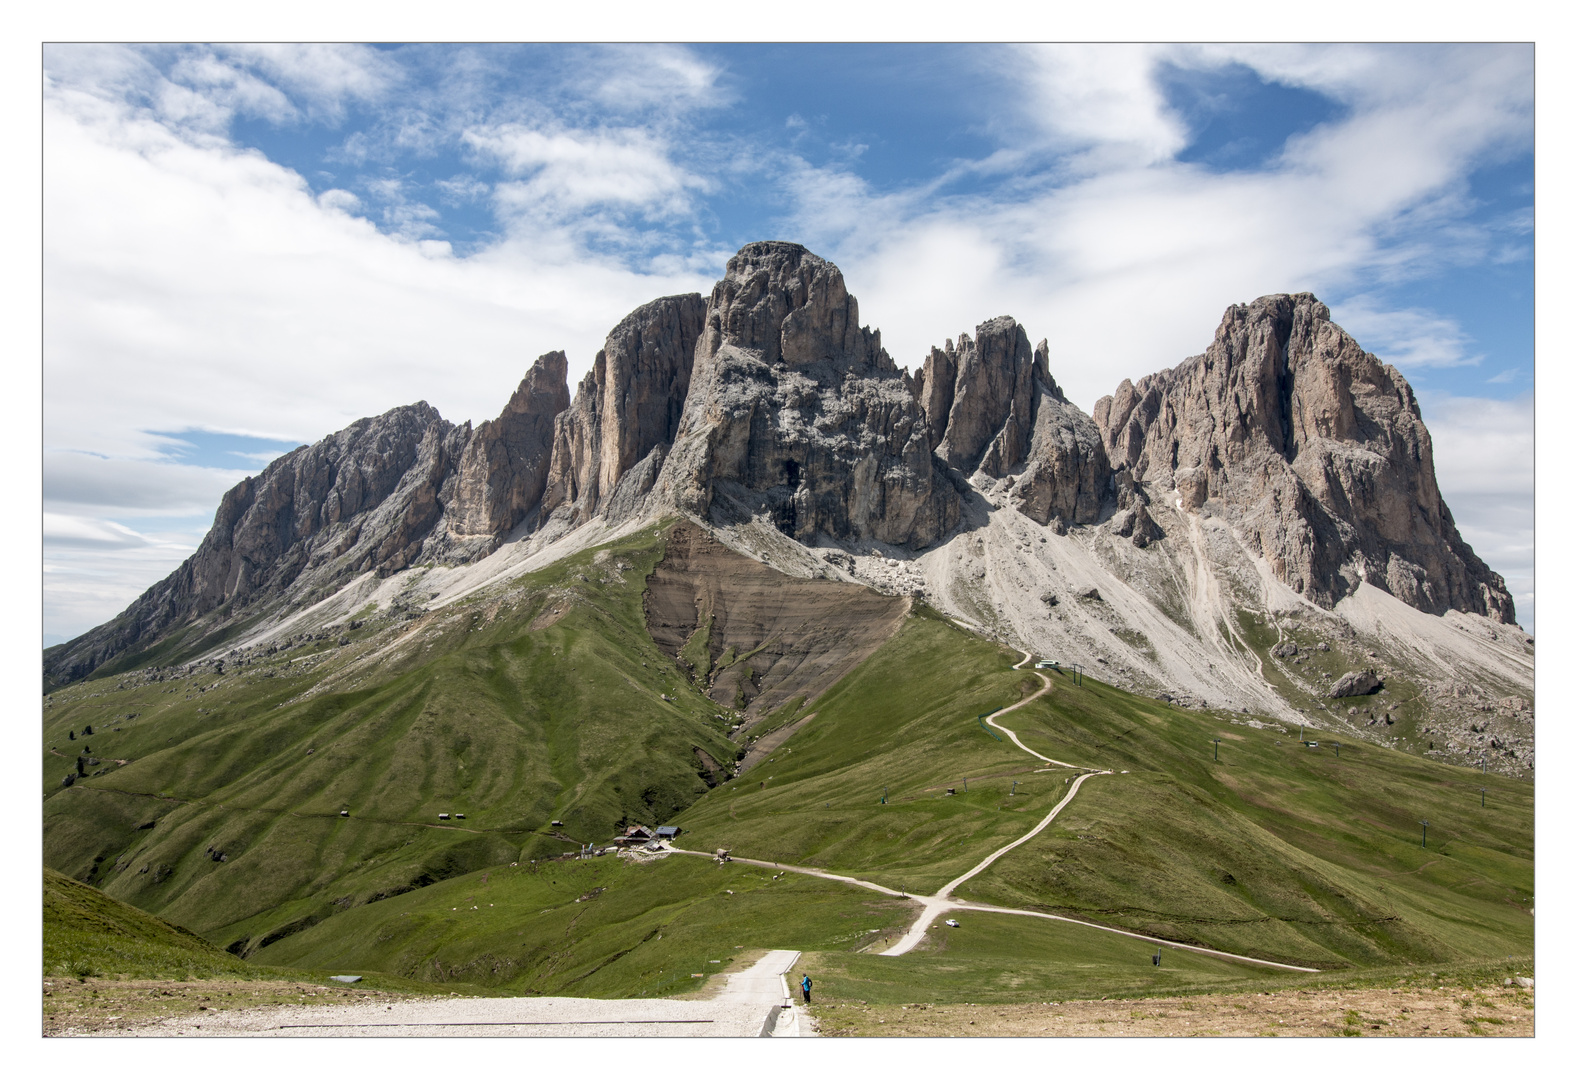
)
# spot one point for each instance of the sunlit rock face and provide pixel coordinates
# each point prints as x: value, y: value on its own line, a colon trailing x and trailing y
x: 795, y: 411
x: 1313, y: 449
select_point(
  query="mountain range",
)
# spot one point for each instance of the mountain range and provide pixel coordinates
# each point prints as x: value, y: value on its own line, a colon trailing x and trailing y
x: 1257, y: 528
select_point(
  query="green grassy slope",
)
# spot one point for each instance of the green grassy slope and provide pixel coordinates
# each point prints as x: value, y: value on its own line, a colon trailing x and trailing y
x: 989, y: 958
x: 906, y: 720
x: 481, y: 714
x: 87, y: 933
x: 544, y: 700
x: 1278, y: 851
x: 601, y: 927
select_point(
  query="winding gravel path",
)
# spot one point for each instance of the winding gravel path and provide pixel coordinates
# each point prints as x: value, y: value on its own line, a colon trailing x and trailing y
x: 942, y: 901
x: 753, y: 1002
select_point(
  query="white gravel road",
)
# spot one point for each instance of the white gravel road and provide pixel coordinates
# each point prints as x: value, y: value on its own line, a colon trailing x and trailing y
x: 750, y: 1004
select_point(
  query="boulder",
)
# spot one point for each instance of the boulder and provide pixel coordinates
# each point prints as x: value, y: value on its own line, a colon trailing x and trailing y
x: 1356, y: 684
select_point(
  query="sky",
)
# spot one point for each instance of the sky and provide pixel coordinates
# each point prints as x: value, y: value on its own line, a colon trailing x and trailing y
x: 247, y: 247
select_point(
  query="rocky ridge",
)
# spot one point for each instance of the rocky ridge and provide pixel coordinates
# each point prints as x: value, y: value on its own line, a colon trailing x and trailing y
x: 1284, y: 470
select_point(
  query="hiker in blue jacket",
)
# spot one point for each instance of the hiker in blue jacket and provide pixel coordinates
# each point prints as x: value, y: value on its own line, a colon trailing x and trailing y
x: 804, y: 986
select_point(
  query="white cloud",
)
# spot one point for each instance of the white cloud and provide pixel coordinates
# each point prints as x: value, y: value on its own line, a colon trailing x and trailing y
x: 462, y: 189
x: 1408, y: 338
x: 1484, y: 456
x: 231, y: 88
x: 664, y: 77
x: 346, y: 202
x: 125, y: 486
x: 324, y: 77
x: 1105, y: 97
x: 1484, y: 445
x: 66, y: 530
x: 567, y: 171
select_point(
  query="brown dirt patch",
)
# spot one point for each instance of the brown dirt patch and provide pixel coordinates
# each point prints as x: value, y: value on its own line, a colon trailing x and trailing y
x: 552, y: 613
x: 769, y: 742
x: 1492, y: 1011
x: 107, y: 1006
x: 791, y: 636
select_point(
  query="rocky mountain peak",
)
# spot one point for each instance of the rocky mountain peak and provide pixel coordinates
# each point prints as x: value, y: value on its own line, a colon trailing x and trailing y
x: 784, y: 304
x: 767, y: 401
x: 1315, y: 450
x: 504, y: 469
x: 795, y: 412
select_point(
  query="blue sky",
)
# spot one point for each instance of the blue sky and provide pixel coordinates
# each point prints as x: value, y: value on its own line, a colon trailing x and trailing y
x: 248, y: 247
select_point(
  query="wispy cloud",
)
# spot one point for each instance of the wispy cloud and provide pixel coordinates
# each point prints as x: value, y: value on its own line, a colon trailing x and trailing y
x: 669, y: 79
x: 1407, y: 338
x: 1484, y: 455
x: 323, y: 78
x: 565, y: 171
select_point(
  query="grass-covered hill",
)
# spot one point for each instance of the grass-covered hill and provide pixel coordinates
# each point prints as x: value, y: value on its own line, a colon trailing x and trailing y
x: 216, y: 800
x: 287, y: 808
x: 87, y: 933
x: 1310, y: 855
x: 1280, y: 851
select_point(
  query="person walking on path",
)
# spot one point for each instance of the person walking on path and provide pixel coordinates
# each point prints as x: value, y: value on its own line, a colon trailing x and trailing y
x: 804, y: 987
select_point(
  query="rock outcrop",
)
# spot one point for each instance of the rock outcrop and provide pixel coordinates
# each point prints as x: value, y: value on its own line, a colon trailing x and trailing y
x: 1067, y: 475
x: 627, y: 406
x: 1313, y: 449
x: 504, y: 469
x: 991, y: 405
x: 990, y: 401
x: 796, y: 412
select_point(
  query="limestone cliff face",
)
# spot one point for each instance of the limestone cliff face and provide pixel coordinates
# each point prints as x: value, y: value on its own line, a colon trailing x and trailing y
x: 796, y: 411
x: 990, y: 402
x: 1066, y: 476
x: 504, y: 469
x: 1314, y: 449
x: 627, y: 406
x: 364, y: 498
